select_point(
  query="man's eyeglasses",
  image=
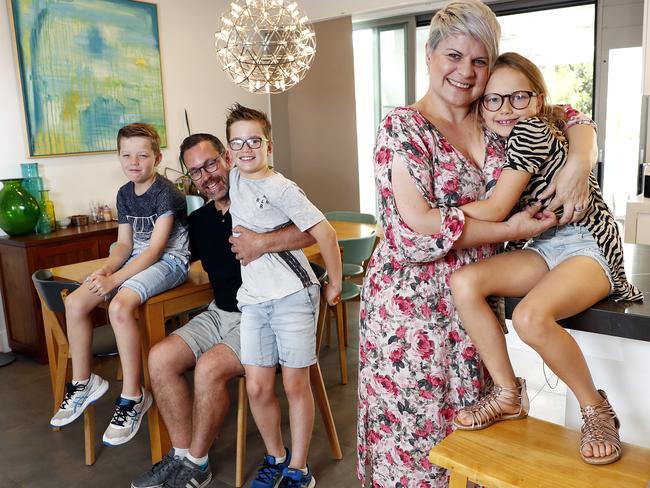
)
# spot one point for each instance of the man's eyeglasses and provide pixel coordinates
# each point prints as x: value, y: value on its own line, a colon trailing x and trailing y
x: 252, y: 142
x: 518, y: 99
x: 209, y: 167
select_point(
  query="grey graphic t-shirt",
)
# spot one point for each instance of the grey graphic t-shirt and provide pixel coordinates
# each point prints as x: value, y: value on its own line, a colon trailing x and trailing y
x: 141, y: 212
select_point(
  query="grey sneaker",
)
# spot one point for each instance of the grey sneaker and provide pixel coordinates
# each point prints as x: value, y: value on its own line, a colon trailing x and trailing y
x: 160, y: 473
x: 77, y: 398
x: 126, y: 419
x: 189, y: 475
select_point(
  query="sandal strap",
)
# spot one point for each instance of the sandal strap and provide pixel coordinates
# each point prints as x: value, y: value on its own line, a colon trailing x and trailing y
x: 597, y: 426
x: 488, y: 409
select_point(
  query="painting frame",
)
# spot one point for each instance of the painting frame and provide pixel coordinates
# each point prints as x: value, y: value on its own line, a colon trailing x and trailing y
x: 85, y: 69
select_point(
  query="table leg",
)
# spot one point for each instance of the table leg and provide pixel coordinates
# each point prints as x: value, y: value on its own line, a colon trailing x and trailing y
x: 152, y: 330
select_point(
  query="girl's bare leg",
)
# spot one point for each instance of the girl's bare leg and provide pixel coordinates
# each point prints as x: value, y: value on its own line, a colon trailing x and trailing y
x: 511, y: 274
x: 571, y: 287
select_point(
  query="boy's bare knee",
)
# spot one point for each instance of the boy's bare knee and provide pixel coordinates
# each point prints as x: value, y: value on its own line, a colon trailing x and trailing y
x: 258, y: 390
x: 296, y: 386
x: 121, y: 310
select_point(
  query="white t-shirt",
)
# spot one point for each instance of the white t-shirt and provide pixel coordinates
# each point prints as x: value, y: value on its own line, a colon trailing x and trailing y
x: 265, y: 205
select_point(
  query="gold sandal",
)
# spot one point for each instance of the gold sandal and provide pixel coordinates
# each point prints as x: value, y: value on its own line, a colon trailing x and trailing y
x: 597, y: 428
x: 488, y: 410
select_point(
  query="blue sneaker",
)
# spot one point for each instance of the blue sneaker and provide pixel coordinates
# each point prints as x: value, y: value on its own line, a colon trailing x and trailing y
x: 270, y: 472
x: 295, y: 478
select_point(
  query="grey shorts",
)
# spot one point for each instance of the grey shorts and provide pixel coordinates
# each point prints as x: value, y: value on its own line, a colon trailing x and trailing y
x: 209, y: 328
x: 561, y: 243
x: 165, y: 274
x: 281, y: 330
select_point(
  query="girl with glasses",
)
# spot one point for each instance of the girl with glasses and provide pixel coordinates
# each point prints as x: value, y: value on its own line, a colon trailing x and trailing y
x: 560, y: 273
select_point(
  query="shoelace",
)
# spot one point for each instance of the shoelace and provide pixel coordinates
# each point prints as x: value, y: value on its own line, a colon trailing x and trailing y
x: 123, y: 413
x: 70, y: 390
x: 165, y: 464
x: 267, y: 472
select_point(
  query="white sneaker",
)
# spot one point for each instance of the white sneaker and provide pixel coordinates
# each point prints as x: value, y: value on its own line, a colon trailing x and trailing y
x: 77, y: 398
x: 126, y: 419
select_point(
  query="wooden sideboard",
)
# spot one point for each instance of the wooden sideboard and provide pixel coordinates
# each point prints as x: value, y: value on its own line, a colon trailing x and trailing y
x: 21, y: 256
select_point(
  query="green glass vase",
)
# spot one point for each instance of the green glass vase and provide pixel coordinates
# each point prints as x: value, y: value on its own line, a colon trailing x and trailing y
x: 19, y: 210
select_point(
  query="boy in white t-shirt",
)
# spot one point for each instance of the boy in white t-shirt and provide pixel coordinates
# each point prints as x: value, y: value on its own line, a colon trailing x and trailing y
x: 279, y: 298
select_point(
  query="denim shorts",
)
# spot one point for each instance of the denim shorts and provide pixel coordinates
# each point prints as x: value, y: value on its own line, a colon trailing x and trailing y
x: 165, y: 274
x: 561, y: 243
x: 209, y: 328
x: 281, y: 331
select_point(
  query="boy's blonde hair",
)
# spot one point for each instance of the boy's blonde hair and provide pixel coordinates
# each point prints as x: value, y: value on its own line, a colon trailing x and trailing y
x: 469, y: 17
x: 551, y: 114
x: 140, y: 129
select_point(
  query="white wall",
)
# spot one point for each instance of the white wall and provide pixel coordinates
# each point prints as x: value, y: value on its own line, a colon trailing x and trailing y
x: 192, y: 80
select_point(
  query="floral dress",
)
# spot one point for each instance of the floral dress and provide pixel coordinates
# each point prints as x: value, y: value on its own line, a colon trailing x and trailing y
x: 417, y: 366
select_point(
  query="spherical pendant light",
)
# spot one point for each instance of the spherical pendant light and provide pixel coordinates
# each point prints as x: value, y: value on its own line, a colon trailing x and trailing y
x: 265, y: 46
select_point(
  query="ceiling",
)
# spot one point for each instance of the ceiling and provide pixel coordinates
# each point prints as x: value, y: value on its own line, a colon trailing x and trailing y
x: 364, y: 9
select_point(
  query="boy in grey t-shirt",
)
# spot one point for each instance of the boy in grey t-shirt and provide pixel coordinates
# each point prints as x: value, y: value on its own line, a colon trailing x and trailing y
x: 278, y: 298
x: 151, y: 256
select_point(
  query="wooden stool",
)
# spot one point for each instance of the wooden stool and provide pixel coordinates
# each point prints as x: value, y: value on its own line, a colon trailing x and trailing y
x: 534, y: 453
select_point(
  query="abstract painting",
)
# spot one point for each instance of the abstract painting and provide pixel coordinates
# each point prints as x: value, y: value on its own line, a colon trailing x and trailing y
x: 87, y: 67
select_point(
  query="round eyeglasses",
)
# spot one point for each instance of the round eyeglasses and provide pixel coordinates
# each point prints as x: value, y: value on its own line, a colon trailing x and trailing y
x: 251, y: 142
x: 210, y: 166
x: 518, y: 99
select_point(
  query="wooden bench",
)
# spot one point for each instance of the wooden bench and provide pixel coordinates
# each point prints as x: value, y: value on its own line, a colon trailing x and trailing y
x: 534, y: 453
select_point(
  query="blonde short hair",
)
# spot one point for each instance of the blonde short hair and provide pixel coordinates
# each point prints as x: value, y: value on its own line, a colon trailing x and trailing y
x: 470, y: 17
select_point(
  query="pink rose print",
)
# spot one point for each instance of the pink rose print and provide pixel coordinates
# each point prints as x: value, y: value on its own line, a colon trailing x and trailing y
x: 424, y: 345
x: 469, y: 352
x: 391, y: 417
x: 450, y: 186
x: 404, y: 305
x: 397, y: 354
x: 443, y: 308
x: 454, y: 225
x: 454, y: 336
x: 373, y: 437
x: 384, y: 155
x: 425, y: 310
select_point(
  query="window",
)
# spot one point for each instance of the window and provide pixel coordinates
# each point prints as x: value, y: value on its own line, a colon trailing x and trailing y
x: 380, y: 86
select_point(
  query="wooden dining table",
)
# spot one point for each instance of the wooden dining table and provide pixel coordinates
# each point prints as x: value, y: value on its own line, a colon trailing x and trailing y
x: 194, y: 293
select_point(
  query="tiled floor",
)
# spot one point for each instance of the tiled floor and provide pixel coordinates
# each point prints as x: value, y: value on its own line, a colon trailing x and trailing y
x: 32, y: 455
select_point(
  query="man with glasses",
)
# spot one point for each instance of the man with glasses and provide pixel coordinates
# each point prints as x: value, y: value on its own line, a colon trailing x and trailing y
x: 209, y: 343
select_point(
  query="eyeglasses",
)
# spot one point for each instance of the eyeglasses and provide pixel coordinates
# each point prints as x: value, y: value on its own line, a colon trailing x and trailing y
x: 518, y: 99
x: 210, y: 166
x: 252, y: 142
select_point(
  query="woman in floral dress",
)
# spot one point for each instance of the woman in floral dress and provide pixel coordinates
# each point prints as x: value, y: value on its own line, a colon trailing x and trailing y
x: 417, y: 366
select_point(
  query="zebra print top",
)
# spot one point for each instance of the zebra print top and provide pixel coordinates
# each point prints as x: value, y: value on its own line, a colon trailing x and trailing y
x: 534, y: 148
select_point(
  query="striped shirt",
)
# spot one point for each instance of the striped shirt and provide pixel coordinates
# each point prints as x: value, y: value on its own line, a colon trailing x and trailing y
x: 534, y: 148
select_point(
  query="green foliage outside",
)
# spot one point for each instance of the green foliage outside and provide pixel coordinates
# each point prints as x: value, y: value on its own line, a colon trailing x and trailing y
x: 571, y: 83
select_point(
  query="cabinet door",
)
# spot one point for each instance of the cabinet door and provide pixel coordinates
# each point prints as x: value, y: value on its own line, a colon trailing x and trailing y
x: 643, y: 228
x: 65, y: 253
